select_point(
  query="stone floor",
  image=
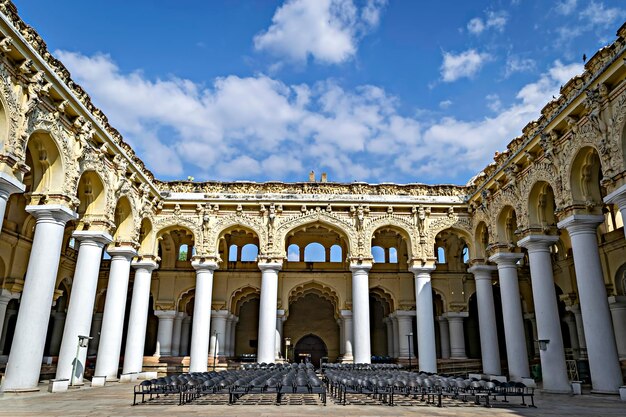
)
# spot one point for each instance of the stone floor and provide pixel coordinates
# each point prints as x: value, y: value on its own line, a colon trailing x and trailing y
x: 115, y: 400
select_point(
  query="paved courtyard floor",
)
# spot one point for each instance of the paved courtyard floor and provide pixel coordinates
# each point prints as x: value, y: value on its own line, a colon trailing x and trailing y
x: 115, y: 401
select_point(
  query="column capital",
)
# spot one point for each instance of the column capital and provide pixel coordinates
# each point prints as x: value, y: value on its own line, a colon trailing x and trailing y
x: 268, y: 265
x: 147, y: 264
x: 345, y: 314
x: 99, y: 238
x: 482, y: 271
x: 617, y: 197
x: 220, y: 314
x: 404, y: 314
x: 280, y: 314
x: 6, y: 296
x: 617, y: 302
x: 360, y: 266
x: 455, y: 315
x: 581, y: 223
x: 537, y: 243
x: 181, y: 315
x: 574, y: 308
x: 204, y: 264
x: 52, y: 213
x: 506, y: 258
x: 165, y: 314
x: 10, y: 185
x: 127, y: 252
x: 422, y: 269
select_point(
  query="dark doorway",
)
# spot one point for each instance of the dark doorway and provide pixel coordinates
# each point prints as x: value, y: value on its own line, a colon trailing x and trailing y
x: 312, y: 348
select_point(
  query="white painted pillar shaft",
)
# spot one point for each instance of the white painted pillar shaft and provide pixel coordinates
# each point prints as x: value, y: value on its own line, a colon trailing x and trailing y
x: 267, y: 311
x: 516, y: 351
x: 108, y: 360
x: 80, y: 308
x: 57, y: 331
x: 199, y: 350
x: 405, y: 332
x: 96, y: 325
x: 547, y: 321
x: 490, y: 351
x: 580, y: 330
x: 346, y: 316
x: 164, y: 333
x: 233, y: 335
x: 457, y: 334
x: 218, y: 332
x: 396, y: 337
x: 138, y: 316
x: 280, y: 317
x: 618, y: 313
x: 570, y: 322
x: 24, y: 364
x: 176, y: 332
x: 342, y: 338
x: 444, y: 337
x: 229, y: 329
x: 606, y: 375
x: 361, y: 313
x: 389, y: 327
x: 426, y: 348
x: 184, y: 336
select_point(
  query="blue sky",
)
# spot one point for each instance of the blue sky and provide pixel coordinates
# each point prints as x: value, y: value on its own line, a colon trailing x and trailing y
x: 366, y: 90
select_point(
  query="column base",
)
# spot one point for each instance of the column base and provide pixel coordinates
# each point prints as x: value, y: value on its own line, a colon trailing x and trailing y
x: 603, y: 392
x: 346, y: 359
x: 98, y: 381
x: 556, y: 391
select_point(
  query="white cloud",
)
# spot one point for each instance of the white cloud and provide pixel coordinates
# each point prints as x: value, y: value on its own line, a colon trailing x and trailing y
x: 596, y: 13
x: 493, y: 102
x: 566, y: 7
x: 493, y: 20
x: 260, y: 128
x: 465, y: 64
x: 445, y: 104
x: 517, y: 64
x: 327, y: 30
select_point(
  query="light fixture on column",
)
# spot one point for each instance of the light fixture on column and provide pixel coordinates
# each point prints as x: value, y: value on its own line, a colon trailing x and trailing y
x: 83, y: 342
x: 543, y: 344
x: 287, y: 345
x: 409, y: 337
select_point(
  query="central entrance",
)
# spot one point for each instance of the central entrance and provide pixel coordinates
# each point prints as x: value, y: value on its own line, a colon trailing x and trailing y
x: 310, y: 347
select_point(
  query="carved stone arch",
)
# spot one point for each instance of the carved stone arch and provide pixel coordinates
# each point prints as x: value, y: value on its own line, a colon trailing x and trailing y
x: 51, y: 164
x: 575, y: 158
x: 387, y: 296
x: 441, y: 294
x: 542, y: 172
x: 240, y: 296
x: 146, y: 236
x: 439, y: 224
x: 617, y: 142
x: 397, y: 223
x: 12, y: 112
x: 163, y: 223
x: 465, y: 234
x: 506, y: 197
x: 184, y: 297
x: 28, y: 227
x: 217, y: 228
x: 315, y: 287
x: 289, y: 224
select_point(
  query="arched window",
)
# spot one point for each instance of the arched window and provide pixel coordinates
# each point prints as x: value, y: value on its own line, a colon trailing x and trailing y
x: 441, y: 255
x: 249, y: 252
x: 183, y: 251
x: 393, y: 256
x: 378, y: 253
x: 71, y: 243
x: 314, y: 252
x: 336, y: 253
x: 232, y: 253
x: 465, y: 254
x: 293, y: 253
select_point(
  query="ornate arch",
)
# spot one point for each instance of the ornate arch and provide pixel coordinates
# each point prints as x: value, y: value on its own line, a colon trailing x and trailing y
x: 385, y: 295
x: 288, y: 224
x: 451, y: 221
x: 162, y: 223
x: 542, y: 172
x: 400, y: 224
x: 12, y: 110
x: 215, y: 226
x: 240, y: 296
x: 315, y: 287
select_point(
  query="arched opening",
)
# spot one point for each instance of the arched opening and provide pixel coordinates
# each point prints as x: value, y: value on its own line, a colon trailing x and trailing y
x: 183, y: 252
x: 441, y: 255
x: 393, y: 255
x: 174, y: 244
x: 44, y: 159
x: 4, y: 126
x: 541, y: 207
x: 124, y: 222
x: 585, y: 177
x: 378, y: 253
x: 507, y: 226
x: 293, y: 253
x: 92, y: 195
x: 336, y: 254
x: 381, y: 305
x: 314, y: 252
x: 240, y: 245
x: 249, y: 253
x: 310, y: 348
x: 452, y: 247
x: 390, y: 248
x: 233, y: 253
x: 146, y: 237
x: 481, y: 240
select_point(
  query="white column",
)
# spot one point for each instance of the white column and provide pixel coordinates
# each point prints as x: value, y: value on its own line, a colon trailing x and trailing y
x: 233, y: 335
x: 5, y: 297
x: 138, y: 316
x: 8, y: 185
x: 267, y: 311
x: 547, y: 320
x: 426, y: 348
x: 218, y: 332
x: 606, y: 376
x: 348, y: 333
x: 80, y: 308
x: 389, y: 323
x: 280, y: 318
x: 405, y: 327
x: 580, y: 330
x: 361, y: 312
x: 444, y: 337
x: 108, y: 360
x: 23, y: 368
x: 184, y: 336
x: 534, y: 333
x: 96, y: 325
x: 517, y: 354
x: 618, y: 313
x: 569, y: 321
x: 457, y: 334
x: 176, y: 332
x: 396, y: 336
x: 490, y: 351
x: 199, y: 351
x: 57, y: 332
x: 618, y: 197
x: 164, y: 333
